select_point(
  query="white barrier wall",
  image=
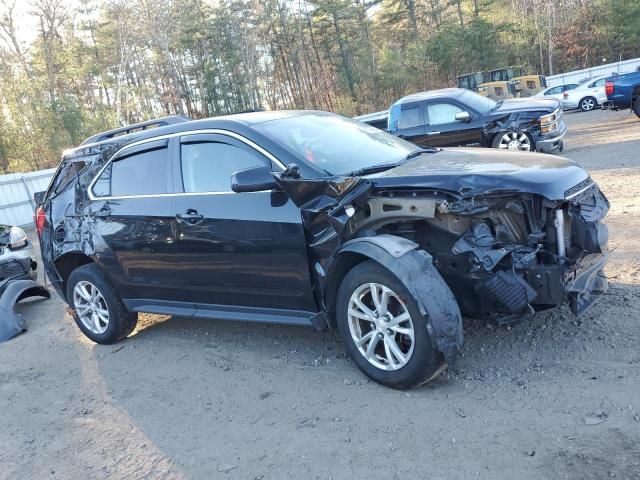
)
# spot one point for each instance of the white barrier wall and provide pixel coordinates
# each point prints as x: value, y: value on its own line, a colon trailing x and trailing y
x: 576, y: 76
x: 16, y: 195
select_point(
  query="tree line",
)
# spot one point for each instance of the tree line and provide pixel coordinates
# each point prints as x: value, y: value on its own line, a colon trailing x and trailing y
x: 94, y: 65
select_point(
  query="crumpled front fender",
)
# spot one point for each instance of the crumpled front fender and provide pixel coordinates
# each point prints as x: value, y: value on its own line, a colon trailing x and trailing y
x: 415, y: 269
x: 12, y: 323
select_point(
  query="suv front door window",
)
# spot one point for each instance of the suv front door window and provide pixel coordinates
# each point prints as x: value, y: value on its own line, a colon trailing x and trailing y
x: 443, y: 130
x: 237, y: 248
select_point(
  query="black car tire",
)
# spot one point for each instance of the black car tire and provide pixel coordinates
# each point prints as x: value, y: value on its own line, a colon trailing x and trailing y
x: 587, y: 106
x: 425, y: 362
x: 498, y: 138
x: 636, y: 107
x: 121, y: 322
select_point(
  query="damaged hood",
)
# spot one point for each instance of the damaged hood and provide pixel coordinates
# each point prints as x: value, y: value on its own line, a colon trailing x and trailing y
x: 472, y: 171
x: 527, y: 105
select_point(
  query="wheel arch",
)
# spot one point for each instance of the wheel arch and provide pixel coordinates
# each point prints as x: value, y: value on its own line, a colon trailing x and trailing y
x: 68, y: 262
x: 415, y: 269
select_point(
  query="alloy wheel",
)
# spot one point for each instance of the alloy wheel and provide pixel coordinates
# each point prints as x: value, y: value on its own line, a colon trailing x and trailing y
x: 588, y: 104
x: 381, y: 326
x: 515, y: 141
x: 91, y: 307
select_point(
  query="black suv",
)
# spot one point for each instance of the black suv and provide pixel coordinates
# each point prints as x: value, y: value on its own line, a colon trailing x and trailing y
x: 455, y: 117
x: 310, y: 218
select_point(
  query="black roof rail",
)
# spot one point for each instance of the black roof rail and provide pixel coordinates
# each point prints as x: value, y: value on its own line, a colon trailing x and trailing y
x: 157, y: 122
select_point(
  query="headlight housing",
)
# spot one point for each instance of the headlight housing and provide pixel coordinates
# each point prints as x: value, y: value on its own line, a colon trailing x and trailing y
x: 550, y: 122
x: 17, y: 238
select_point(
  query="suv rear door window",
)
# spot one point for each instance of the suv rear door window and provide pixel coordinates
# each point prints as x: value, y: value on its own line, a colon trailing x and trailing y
x: 208, y: 166
x: 140, y: 173
x: 410, y: 117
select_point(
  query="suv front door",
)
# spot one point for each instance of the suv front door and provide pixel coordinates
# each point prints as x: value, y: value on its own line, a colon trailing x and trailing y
x: 444, y: 130
x: 236, y: 249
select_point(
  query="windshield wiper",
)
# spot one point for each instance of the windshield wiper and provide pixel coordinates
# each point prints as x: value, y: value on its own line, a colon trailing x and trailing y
x: 387, y: 166
x: 420, y: 151
x: 374, y: 169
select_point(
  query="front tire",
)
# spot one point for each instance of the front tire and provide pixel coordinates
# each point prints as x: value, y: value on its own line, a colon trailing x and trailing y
x: 587, y: 104
x: 513, y: 140
x: 97, y: 308
x: 636, y: 107
x: 383, y: 329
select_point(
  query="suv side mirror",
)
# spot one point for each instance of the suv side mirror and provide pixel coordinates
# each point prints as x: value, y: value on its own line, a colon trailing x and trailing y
x: 253, y: 179
x: 463, y: 117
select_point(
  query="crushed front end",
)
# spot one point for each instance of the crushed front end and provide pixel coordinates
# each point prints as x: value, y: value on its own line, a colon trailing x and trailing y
x: 504, y: 253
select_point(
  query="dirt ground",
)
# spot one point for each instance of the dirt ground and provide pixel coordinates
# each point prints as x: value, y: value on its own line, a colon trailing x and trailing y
x: 551, y: 397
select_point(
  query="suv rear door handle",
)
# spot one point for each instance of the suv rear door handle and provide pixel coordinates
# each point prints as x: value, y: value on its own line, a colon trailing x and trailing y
x: 190, y: 216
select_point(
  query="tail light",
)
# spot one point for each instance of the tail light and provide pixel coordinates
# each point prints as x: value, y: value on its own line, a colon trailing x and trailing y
x: 565, y: 95
x: 608, y: 87
x: 40, y: 218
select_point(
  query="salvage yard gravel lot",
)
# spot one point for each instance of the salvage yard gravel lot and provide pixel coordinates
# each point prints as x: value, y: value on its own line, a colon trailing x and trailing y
x: 549, y: 397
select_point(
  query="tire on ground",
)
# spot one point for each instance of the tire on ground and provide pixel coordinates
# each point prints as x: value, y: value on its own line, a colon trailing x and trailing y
x: 121, y: 321
x: 581, y: 105
x: 426, y: 361
x: 636, y: 107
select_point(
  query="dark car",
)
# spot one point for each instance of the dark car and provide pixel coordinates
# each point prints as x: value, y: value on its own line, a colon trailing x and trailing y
x: 310, y: 218
x: 455, y: 117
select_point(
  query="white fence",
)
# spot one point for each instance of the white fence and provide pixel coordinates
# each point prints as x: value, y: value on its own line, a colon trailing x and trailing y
x: 16, y: 195
x: 624, y: 66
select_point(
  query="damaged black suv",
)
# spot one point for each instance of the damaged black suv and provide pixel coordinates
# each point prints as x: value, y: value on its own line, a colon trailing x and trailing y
x: 310, y: 218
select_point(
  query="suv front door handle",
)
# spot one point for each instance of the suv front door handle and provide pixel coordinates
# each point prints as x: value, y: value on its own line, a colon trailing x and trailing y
x: 190, y: 216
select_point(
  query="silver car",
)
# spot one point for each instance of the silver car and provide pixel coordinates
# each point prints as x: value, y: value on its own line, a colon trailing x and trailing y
x: 588, y: 95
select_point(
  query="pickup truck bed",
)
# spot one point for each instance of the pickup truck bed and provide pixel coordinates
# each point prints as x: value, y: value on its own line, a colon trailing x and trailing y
x: 623, y: 91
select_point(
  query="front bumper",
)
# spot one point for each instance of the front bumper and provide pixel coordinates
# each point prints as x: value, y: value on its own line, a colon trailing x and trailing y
x: 588, y: 284
x: 553, y: 142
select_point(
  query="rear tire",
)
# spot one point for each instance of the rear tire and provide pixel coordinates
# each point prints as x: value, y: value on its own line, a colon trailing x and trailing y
x: 587, y: 104
x: 97, y: 308
x: 394, y: 352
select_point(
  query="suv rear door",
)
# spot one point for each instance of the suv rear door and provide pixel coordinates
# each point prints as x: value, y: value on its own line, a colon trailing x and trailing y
x: 236, y: 249
x: 410, y: 124
x: 134, y: 238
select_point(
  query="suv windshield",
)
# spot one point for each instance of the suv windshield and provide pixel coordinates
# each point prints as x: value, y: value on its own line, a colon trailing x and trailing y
x: 477, y: 102
x: 336, y: 144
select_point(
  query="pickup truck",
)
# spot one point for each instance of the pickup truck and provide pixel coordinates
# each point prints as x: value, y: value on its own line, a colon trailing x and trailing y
x: 623, y: 91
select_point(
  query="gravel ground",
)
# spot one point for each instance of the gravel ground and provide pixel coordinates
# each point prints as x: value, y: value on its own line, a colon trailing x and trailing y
x: 550, y: 397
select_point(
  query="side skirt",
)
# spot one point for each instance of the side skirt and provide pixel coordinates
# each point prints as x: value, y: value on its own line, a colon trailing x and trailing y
x: 222, y: 312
